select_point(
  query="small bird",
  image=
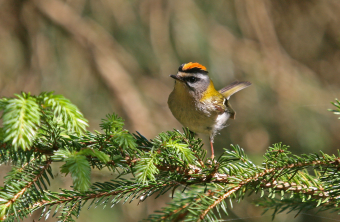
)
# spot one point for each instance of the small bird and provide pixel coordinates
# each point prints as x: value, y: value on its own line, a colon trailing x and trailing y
x: 196, y: 104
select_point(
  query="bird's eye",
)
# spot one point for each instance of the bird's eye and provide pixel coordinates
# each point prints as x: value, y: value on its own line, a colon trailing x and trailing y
x: 192, y: 79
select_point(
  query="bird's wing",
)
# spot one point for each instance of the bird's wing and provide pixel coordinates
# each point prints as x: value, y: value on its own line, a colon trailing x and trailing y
x: 230, y: 110
x: 221, y: 105
x: 233, y: 88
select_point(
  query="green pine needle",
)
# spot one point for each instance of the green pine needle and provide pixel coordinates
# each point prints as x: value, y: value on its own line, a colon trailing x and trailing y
x: 125, y: 140
x: 112, y: 123
x: 79, y: 168
x: 337, y: 105
x: 21, y: 119
x: 146, y: 170
x: 182, y: 150
x: 72, y: 119
x: 104, y: 158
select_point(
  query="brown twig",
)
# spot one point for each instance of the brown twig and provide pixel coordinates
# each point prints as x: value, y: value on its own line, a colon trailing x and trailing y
x: 233, y: 190
x: 70, y: 211
x: 182, y: 216
x: 217, y: 178
x: 299, y: 188
x: 23, y: 190
x: 265, y: 172
x: 87, y: 197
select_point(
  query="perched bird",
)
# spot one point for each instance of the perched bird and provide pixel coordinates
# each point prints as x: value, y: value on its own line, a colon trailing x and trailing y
x: 196, y: 103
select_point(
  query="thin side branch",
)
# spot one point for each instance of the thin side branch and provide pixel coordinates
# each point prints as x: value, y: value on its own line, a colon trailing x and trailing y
x: 233, y: 190
x: 267, y: 171
x: 23, y: 190
x: 85, y: 196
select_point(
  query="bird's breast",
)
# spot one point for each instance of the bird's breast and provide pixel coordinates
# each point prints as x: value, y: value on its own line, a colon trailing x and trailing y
x: 194, y: 114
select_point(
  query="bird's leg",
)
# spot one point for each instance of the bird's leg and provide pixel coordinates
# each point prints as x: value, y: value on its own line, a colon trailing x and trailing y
x: 212, y: 146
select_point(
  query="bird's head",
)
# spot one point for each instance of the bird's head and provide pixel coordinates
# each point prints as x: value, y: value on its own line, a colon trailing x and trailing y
x: 193, y: 76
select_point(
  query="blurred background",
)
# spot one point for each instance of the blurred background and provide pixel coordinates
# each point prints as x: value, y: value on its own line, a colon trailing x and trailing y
x: 116, y: 56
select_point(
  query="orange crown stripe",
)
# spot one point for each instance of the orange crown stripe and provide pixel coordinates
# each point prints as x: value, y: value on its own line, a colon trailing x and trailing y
x: 191, y: 65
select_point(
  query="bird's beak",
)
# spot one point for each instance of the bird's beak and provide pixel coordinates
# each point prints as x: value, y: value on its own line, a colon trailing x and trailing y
x: 176, y: 77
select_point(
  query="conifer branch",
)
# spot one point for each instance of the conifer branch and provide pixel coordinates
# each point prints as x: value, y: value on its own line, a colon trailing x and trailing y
x: 171, y: 160
x: 57, y: 198
x: 298, y: 188
x: 69, y: 213
x: 22, y: 191
x: 234, y: 189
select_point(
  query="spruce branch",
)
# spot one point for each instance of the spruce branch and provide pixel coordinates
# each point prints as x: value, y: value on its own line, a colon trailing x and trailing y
x: 80, y: 171
x: 63, y: 109
x: 203, y: 190
x: 18, y: 183
x: 337, y: 106
x: 21, y: 119
x: 111, y: 192
x: 233, y: 190
x: 146, y: 170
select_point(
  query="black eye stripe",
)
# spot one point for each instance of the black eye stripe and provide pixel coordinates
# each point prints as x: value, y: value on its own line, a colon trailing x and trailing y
x: 191, y: 79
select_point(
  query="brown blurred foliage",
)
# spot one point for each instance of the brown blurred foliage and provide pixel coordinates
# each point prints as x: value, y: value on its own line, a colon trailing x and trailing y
x: 116, y: 55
